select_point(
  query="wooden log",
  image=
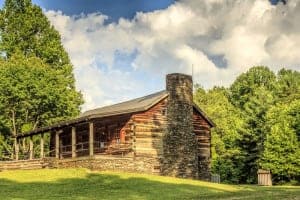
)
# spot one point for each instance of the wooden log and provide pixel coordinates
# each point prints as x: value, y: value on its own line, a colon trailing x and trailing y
x: 142, y: 129
x: 42, y: 146
x: 149, y: 134
x: 16, y: 148
x: 57, y: 145
x: 149, y: 151
x: 73, y: 138
x: 149, y: 145
x: 91, y: 138
x: 30, y: 148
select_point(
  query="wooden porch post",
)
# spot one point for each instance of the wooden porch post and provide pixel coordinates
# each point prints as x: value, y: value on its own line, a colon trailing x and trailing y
x: 91, y: 138
x: 16, y: 148
x: 73, y: 142
x: 56, y: 144
x: 42, y: 146
x: 30, y: 148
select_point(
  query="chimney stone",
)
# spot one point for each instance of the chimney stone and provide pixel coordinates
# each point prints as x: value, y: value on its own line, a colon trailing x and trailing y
x: 179, y: 142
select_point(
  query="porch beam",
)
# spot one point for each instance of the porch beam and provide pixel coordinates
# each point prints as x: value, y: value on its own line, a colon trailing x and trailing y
x: 73, y: 142
x: 91, y: 138
x: 30, y: 148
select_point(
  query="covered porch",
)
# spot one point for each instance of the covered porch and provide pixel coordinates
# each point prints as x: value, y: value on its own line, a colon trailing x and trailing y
x: 88, y: 137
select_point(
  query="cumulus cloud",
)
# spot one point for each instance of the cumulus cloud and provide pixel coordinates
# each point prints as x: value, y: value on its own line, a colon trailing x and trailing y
x: 216, y: 39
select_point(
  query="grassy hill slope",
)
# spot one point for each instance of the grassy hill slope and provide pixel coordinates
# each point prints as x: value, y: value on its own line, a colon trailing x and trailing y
x: 84, y: 184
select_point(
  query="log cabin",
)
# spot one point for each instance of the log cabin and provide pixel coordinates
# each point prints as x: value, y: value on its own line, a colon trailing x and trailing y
x: 163, y: 133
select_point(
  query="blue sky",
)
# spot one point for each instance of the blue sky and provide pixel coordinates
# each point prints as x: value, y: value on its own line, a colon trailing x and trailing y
x: 113, y: 8
x: 122, y: 49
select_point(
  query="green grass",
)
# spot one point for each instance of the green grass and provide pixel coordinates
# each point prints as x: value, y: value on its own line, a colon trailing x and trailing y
x: 84, y: 184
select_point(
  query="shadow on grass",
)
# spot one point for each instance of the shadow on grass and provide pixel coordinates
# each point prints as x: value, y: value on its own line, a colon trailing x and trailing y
x: 106, y: 186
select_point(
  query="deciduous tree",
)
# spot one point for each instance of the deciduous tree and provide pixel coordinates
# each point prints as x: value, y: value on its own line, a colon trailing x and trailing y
x: 37, y: 81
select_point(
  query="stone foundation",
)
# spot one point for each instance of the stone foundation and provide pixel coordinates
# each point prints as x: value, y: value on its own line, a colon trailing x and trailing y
x: 110, y: 163
x: 103, y: 163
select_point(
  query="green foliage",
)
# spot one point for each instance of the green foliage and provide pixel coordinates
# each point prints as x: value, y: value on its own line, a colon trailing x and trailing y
x: 253, y: 93
x: 258, y: 125
x: 247, y: 85
x: 225, y: 151
x: 288, y: 87
x: 5, y: 142
x: 37, y: 84
x: 25, y: 28
x: 282, y: 145
x: 32, y: 94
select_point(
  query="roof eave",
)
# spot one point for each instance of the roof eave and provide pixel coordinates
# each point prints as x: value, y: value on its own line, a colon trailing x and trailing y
x: 94, y: 116
x: 87, y: 118
x: 211, y: 123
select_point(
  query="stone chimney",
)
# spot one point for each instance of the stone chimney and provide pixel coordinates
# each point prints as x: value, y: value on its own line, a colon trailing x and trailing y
x: 179, y: 142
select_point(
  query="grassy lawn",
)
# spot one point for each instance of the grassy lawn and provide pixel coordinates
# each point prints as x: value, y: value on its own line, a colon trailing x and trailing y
x: 84, y: 184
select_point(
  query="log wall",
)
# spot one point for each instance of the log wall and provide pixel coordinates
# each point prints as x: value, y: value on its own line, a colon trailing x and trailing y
x: 149, y: 129
x: 203, y: 137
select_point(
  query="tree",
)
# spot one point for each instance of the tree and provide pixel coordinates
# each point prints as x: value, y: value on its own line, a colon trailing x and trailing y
x: 258, y: 125
x: 247, y: 84
x: 25, y: 28
x: 226, y: 155
x: 32, y: 94
x: 28, y: 40
x: 288, y: 85
x: 5, y: 147
x: 253, y: 94
x: 282, y: 145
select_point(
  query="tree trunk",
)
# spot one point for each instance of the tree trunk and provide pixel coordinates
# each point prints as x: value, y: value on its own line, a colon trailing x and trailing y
x: 14, y: 134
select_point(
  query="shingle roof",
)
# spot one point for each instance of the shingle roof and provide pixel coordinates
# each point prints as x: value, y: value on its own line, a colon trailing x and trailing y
x: 132, y: 106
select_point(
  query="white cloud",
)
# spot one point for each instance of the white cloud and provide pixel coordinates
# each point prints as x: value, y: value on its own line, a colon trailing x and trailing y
x: 220, y: 38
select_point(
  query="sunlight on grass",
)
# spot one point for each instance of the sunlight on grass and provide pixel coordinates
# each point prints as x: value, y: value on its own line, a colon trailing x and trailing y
x: 45, y: 175
x: 172, y: 180
x: 86, y: 184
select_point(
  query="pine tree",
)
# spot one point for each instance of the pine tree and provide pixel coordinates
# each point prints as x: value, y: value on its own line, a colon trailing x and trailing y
x: 282, y: 146
x: 253, y: 94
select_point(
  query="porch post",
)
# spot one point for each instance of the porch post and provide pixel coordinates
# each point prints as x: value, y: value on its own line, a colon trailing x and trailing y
x: 42, y: 146
x: 56, y: 144
x: 73, y: 142
x: 30, y: 148
x: 17, y: 149
x: 91, y: 138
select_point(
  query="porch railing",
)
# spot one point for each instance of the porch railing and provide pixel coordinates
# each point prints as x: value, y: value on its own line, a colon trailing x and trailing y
x: 82, y: 149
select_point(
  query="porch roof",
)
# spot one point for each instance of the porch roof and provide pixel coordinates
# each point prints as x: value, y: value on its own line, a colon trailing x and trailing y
x: 127, y: 107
